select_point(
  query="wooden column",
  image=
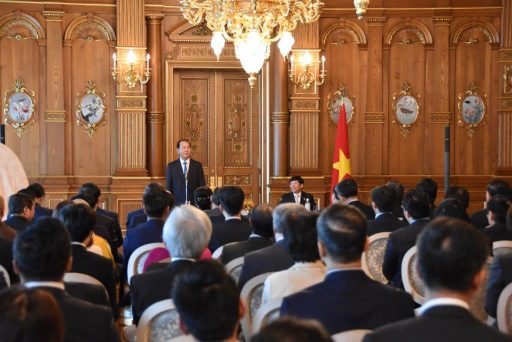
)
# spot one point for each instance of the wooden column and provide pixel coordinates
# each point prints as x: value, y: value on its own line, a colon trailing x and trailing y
x: 131, y: 102
x: 155, y: 116
x: 280, y: 119
x: 55, y: 113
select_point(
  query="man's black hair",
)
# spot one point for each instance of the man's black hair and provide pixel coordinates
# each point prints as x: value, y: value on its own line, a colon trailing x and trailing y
x: 297, y: 178
x: 216, y: 196
x: 460, y: 193
x: 91, y: 189
x: 428, y: 186
x: 347, y: 188
x: 183, y: 140
x: 202, y: 197
x: 18, y: 202
x: 37, y: 189
x: 261, y: 221
x: 451, y: 207
x: 384, y: 198
x: 157, y: 201
x: 87, y: 197
x: 301, y: 237
x: 499, y: 187
x: 79, y: 220
x: 231, y: 199
x: 291, y: 329
x: 417, y: 204
x: 498, y: 205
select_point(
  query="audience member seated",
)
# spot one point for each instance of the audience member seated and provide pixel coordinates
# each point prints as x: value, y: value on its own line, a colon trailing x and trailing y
x: 347, y: 299
x: 208, y: 303
x: 215, y: 214
x: 155, y: 258
x: 399, y: 196
x: 346, y: 191
x: 39, y: 194
x: 462, y: 195
x: 289, y: 329
x: 7, y: 235
x: 273, y: 258
x: 157, y: 205
x: 136, y: 217
x: 297, y: 195
x: 186, y: 234
x: 261, y: 237
x: 451, y: 256
x: 80, y: 220
x: 42, y: 254
x: 308, y: 269
x: 30, y: 315
x: 202, y: 198
x: 383, y: 201
x: 21, y: 211
x: 234, y: 228
x: 495, y: 187
x: 6, y: 232
x: 497, y: 208
x: 416, y: 211
x: 451, y: 207
x: 429, y: 187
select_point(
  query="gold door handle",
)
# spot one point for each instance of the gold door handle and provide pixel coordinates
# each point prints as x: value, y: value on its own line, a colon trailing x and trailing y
x: 212, y: 182
x: 219, y: 181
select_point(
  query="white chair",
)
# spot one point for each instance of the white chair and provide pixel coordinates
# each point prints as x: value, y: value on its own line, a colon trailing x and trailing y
x: 136, y: 261
x: 477, y: 303
x: 159, y: 323
x: 234, y: 268
x: 218, y: 252
x: 266, y: 314
x: 410, y: 277
x: 251, y: 295
x: 350, y: 335
x: 373, y: 258
x: 74, y: 277
x: 7, y: 278
x: 504, y: 310
x: 501, y: 247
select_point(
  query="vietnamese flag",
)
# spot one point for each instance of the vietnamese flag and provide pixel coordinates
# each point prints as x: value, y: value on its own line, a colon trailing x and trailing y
x: 341, y: 157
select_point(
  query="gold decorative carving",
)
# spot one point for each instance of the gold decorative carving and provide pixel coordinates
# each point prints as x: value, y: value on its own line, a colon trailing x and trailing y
x: 441, y: 117
x: 236, y: 123
x: 204, y: 52
x: 53, y: 15
x: 472, y: 109
x: 470, y: 32
x: 507, y: 55
x: 91, y: 111
x: 406, y: 108
x: 442, y: 20
x: 19, y: 107
x: 280, y: 118
x: 507, y: 79
x: 90, y: 28
x: 305, y: 104
x: 237, y: 180
x: 131, y: 103
x: 345, y: 33
x: 506, y: 103
x: 409, y: 33
x: 201, y: 30
x: 55, y: 116
x: 19, y: 29
x: 373, y: 20
x: 374, y: 117
x: 195, y: 119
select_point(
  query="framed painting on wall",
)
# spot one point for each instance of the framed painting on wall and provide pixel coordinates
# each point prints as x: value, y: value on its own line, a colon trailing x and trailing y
x: 19, y: 107
x: 406, y: 108
x: 341, y: 96
x: 472, y: 109
x: 91, y: 109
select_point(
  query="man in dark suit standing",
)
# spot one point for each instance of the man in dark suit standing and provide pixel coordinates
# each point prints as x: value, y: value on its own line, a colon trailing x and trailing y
x: 42, y: 254
x: 346, y: 191
x: 383, y: 201
x: 184, y: 175
x: 297, y: 195
x: 451, y: 256
x: 347, y: 299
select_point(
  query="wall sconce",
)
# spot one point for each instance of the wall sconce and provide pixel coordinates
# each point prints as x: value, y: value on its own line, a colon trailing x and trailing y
x: 307, y: 77
x: 131, y: 76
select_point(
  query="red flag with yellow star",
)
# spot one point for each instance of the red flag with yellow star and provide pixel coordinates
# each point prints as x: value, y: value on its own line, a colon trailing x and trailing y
x: 341, y: 158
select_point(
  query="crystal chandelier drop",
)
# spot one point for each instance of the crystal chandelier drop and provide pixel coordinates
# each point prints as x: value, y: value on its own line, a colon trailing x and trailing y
x: 252, y: 25
x: 361, y: 7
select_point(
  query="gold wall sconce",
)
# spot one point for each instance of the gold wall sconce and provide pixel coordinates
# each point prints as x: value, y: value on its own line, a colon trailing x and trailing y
x: 304, y: 73
x: 131, y: 76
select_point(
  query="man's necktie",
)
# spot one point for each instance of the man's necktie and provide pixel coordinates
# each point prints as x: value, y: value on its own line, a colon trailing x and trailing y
x: 185, y: 169
x: 297, y: 199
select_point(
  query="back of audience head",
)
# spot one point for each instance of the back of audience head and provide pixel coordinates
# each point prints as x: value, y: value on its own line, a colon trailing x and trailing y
x: 428, y: 186
x: 43, y: 251
x: 451, y: 253
x: 346, y: 188
x: 384, y: 198
x: 399, y: 191
x: 208, y: 303
x: 460, y: 193
x: 152, y: 186
x: 84, y: 197
x: 497, y: 208
x: 342, y: 233
x: 416, y: 204
x: 91, y: 189
x: 187, y: 231
x: 28, y: 193
x: 21, y: 204
x: 451, y: 207
x: 281, y: 212
x: 79, y: 220
x: 231, y: 199
x: 61, y: 205
x: 261, y: 221
x: 158, y: 203
x: 215, y: 198
x: 301, y: 237
x: 30, y: 315
x: 202, y: 197
x: 291, y: 329
x: 498, y: 187
x: 37, y: 190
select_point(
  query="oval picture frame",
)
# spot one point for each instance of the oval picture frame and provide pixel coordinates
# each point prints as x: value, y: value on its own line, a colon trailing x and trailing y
x: 19, y: 107
x: 90, y: 108
x: 472, y: 109
x: 334, y: 101
x: 406, y: 108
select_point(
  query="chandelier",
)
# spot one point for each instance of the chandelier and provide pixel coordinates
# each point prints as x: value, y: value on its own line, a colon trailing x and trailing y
x: 361, y: 7
x: 252, y: 25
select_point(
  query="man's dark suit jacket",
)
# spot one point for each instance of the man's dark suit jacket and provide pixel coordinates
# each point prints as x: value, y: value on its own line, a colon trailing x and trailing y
x: 97, y: 267
x: 385, y: 222
x: 92, y: 293
x: 400, y: 241
x: 18, y: 223
x: 135, y: 218
x: 148, y: 232
x: 479, y: 219
x: 232, y: 230
x: 366, y: 209
x: 235, y: 250
x: 444, y: 323
x: 500, y: 275
x: 348, y: 300
x: 84, y: 321
x: 117, y: 226
x: 175, y: 180
x: 289, y: 197
x: 269, y: 259
x: 215, y: 216
x: 150, y: 287
x: 497, y: 232
x: 42, y: 212
x: 6, y: 259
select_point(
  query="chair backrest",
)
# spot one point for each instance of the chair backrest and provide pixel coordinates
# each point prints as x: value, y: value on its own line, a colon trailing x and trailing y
x: 251, y: 295
x: 266, y: 314
x: 234, y: 268
x: 159, y: 323
x: 217, y: 253
x: 373, y: 258
x: 410, y: 277
x: 350, y: 335
x: 504, y: 311
x: 136, y: 261
x: 7, y: 278
x: 477, y: 303
x: 74, y: 277
x: 501, y: 247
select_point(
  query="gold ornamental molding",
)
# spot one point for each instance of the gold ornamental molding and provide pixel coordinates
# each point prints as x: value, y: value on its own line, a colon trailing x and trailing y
x: 374, y: 117
x: 157, y: 117
x: 469, y: 27
x: 280, y: 118
x: 53, y: 115
x: 411, y: 31
x: 53, y: 15
x: 507, y: 103
x: 154, y: 18
x: 89, y: 27
x: 237, y: 180
x: 441, y: 117
x: 375, y: 21
x: 304, y: 104
x: 346, y: 32
x: 131, y: 103
x: 20, y: 26
x: 442, y: 20
x: 507, y: 79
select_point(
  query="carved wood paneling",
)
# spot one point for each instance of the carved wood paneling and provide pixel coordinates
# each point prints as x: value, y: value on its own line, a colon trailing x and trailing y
x: 238, y: 125
x: 347, y: 32
x: 306, y: 36
x: 132, y: 139
x: 130, y: 23
x: 505, y: 140
x: 303, y: 141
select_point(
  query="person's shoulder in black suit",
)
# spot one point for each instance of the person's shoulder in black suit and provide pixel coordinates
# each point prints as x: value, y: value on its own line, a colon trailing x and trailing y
x: 16, y: 222
x: 385, y: 222
x: 366, y: 209
x: 235, y: 250
x: 42, y: 212
x: 479, y: 219
x: 232, y: 230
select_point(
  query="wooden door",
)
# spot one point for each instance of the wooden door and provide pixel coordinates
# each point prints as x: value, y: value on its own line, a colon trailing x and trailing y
x: 218, y: 112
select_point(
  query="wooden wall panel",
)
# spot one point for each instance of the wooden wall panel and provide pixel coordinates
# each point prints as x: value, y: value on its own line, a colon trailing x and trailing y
x: 505, y: 140
x: 303, y: 139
